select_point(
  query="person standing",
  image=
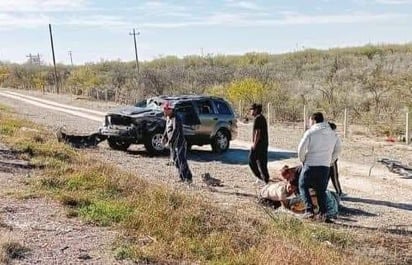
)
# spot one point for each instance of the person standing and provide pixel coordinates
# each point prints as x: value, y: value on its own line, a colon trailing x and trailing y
x: 258, y: 156
x: 317, y: 149
x: 174, y: 138
x: 334, y: 174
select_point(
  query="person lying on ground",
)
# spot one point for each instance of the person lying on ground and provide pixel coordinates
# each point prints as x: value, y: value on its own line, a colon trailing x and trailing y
x: 279, y: 193
x: 296, y: 204
x: 275, y: 194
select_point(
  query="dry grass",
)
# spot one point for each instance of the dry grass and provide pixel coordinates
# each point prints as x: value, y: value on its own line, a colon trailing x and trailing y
x: 163, y: 225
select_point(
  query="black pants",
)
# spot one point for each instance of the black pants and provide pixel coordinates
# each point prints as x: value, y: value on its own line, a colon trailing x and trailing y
x: 258, y: 162
x: 334, y: 176
x: 178, y: 155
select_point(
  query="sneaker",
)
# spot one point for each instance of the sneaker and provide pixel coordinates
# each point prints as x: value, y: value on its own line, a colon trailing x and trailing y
x: 188, y: 181
x: 308, y: 215
x: 260, y: 182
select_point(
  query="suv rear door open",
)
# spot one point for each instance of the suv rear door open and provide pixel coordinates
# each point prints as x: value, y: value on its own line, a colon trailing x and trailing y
x: 189, y: 117
x: 208, y: 118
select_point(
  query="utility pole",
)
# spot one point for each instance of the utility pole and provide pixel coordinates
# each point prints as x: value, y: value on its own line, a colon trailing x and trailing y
x: 135, y: 48
x: 54, y: 60
x: 71, y: 58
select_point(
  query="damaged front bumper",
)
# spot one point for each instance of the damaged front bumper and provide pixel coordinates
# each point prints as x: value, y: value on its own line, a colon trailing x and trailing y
x: 120, y: 131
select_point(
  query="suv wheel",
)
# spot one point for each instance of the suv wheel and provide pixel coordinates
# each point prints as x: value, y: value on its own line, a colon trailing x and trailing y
x: 118, y: 144
x: 220, y: 143
x: 154, y: 143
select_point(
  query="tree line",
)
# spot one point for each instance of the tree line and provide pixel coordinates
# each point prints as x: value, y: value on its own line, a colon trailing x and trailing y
x: 373, y: 82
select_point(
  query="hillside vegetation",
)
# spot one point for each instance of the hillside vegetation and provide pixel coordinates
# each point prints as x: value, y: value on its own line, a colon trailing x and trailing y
x: 373, y: 82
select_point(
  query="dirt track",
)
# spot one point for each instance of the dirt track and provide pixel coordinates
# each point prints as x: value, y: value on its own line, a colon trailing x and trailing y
x: 380, y: 201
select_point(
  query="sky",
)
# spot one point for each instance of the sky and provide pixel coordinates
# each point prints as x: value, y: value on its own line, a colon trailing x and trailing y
x: 99, y: 30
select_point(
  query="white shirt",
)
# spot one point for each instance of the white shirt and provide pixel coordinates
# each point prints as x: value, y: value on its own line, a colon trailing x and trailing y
x: 320, y: 146
x: 275, y: 191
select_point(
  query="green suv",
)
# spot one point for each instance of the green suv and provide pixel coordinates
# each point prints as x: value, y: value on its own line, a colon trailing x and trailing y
x: 206, y: 120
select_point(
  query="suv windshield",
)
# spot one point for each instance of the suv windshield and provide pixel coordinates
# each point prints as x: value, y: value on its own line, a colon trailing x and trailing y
x: 150, y: 103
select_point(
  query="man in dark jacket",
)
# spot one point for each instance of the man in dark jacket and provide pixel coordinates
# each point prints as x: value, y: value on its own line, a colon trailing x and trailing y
x: 174, y: 138
x: 258, y: 157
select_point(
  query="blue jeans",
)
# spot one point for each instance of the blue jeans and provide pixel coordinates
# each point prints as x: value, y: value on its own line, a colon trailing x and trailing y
x: 317, y: 178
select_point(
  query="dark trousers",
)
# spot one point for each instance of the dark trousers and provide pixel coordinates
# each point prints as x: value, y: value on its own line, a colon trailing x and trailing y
x: 178, y: 155
x: 258, y: 162
x: 334, y: 176
x: 315, y: 177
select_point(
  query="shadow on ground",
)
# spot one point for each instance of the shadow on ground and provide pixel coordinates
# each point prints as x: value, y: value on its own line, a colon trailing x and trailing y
x: 235, y: 156
x: 402, y: 206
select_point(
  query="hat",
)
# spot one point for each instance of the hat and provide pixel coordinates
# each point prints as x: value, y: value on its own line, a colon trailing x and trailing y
x: 255, y: 106
x: 167, y: 105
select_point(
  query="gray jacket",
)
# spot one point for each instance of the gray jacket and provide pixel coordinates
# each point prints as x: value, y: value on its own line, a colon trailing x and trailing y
x: 174, y: 132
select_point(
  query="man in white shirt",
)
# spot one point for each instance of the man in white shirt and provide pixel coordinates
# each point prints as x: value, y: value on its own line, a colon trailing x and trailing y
x: 318, y: 148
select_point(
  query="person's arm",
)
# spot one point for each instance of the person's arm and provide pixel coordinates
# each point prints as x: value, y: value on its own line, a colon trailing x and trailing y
x: 257, y: 131
x: 303, y: 146
x: 256, y: 137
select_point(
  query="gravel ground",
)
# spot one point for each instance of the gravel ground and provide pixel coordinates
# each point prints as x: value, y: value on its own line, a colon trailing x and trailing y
x: 42, y: 226
x: 381, y: 201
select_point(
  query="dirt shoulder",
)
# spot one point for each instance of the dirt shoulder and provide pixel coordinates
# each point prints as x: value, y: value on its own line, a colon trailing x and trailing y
x: 42, y: 225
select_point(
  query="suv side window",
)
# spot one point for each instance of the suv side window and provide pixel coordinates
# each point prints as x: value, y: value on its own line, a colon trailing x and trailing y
x: 222, y: 107
x: 205, y: 107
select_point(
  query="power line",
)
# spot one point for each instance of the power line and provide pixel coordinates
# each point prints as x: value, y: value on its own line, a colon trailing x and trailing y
x: 135, y: 48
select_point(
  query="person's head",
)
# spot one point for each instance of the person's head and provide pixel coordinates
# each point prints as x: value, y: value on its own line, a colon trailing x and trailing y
x: 287, y: 172
x: 255, y: 109
x: 316, y: 117
x: 168, y: 109
x: 332, y: 125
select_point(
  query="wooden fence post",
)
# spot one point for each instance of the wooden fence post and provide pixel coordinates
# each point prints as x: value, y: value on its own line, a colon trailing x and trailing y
x: 345, y: 123
x: 269, y: 110
x: 407, y: 137
x: 240, y: 109
x: 304, y: 118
